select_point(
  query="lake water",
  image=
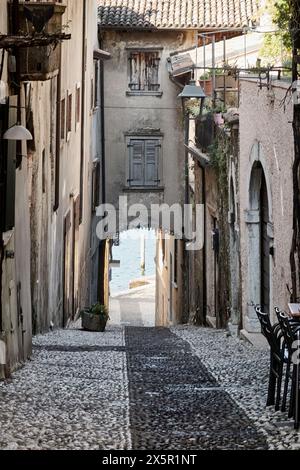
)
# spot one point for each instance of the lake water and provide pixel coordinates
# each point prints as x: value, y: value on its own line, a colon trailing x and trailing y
x: 129, y: 253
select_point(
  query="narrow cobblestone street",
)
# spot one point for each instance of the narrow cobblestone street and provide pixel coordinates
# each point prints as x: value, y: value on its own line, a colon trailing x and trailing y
x: 141, y: 388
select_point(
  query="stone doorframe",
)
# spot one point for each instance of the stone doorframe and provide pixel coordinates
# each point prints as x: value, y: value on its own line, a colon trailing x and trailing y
x: 252, y: 220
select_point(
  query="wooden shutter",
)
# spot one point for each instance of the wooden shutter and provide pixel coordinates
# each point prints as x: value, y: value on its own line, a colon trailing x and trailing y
x: 152, y: 66
x: 151, y: 162
x: 136, y: 163
x: 134, y: 71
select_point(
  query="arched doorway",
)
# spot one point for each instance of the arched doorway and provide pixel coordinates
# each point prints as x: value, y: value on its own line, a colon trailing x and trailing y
x: 259, y: 242
x: 264, y: 247
x: 235, y: 318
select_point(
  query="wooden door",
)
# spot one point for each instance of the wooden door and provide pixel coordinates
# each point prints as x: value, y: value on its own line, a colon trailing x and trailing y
x: 265, y: 248
x: 68, y: 270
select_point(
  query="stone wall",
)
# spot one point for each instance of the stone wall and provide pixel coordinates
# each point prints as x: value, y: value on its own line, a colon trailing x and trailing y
x: 265, y: 137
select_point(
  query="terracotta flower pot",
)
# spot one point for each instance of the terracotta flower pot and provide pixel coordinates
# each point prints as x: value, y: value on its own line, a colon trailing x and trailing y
x: 207, y: 86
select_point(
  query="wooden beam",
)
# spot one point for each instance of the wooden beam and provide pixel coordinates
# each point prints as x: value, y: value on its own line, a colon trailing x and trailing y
x: 8, y: 42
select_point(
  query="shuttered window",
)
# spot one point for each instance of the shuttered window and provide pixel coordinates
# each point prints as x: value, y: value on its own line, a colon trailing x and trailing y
x: 144, y: 162
x: 144, y: 71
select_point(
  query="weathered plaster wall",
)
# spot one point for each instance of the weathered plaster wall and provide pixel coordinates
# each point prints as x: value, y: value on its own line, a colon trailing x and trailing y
x: 43, y: 231
x: 47, y: 225
x: 16, y: 294
x: 264, y: 121
x: 129, y: 113
x: 169, y: 295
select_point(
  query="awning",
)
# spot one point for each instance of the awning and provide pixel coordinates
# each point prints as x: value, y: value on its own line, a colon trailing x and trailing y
x: 99, y: 54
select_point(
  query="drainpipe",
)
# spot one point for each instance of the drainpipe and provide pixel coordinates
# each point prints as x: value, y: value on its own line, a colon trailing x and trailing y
x: 2, y: 219
x: 2, y: 205
x: 83, y: 83
x: 58, y: 124
x: 103, y: 245
x: 187, y: 200
x: 204, y: 248
x: 103, y: 163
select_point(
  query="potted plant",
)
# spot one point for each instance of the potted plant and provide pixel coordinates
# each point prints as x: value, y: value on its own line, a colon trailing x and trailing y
x: 218, y: 111
x: 95, y: 318
x: 205, y: 82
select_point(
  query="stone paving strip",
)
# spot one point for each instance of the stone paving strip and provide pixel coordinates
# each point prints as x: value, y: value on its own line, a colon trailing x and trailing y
x: 72, y: 395
x: 175, y: 403
x: 243, y: 372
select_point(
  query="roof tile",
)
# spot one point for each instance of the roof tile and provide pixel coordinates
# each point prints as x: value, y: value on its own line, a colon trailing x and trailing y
x: 176, y: 14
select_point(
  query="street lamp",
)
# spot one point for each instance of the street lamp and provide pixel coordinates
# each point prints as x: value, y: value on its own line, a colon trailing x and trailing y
x: 190, y: 91
x: 193, y: 91
x: 17, y: 132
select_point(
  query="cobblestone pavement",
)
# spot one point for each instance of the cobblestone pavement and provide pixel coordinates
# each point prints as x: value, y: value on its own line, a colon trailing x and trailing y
x: 73, y: 395
x: 242, y: 371
x: 184, y: 388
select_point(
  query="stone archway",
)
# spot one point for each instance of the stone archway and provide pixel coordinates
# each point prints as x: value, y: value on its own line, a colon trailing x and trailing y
x: 260, y: 239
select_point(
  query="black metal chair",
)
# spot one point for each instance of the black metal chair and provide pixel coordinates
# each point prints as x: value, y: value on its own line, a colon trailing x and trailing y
x: 274, y: 337
x: 286, y: 327
x: 291, y: 333
x: 297, y: 384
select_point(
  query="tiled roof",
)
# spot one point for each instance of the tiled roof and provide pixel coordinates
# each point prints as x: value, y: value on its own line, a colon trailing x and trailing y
x: 176, y: 14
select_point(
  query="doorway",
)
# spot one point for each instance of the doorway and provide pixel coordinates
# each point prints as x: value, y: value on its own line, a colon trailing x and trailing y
x: 265, y: 247
x: 258, y: 221
x: 132, y: 278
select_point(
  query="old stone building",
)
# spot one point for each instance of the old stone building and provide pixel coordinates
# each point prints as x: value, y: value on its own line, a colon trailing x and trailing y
x: 143, y: 135
x: 243, y: 175
x: 52, y: 262
x: 144, y: 120
x: 66, y: 174
x: 265, y: 195
x: 15, y: 309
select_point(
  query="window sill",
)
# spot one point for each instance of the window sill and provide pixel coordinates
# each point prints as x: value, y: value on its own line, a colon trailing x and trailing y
x: 144, y: 93
x: 143, y: 189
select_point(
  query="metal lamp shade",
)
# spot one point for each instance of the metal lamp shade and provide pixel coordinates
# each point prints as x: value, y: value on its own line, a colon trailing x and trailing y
x: 17, y: 132
x: 192, y: 91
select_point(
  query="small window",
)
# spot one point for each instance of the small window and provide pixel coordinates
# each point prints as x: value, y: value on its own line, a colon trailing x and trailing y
x: 69, y: 114
x: 96, y: 84
x: 144, y: 71
x: 78, y: 105
x: 62, y: 119
x: 96, y: 186
x: 44, y: 172
x: 144, y: 162
x: 92, y: 94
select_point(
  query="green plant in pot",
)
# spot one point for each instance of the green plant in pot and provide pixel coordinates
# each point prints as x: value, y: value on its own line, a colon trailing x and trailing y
x: 95, y: 318
x: 218, y: 111
x: 205, y: 82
